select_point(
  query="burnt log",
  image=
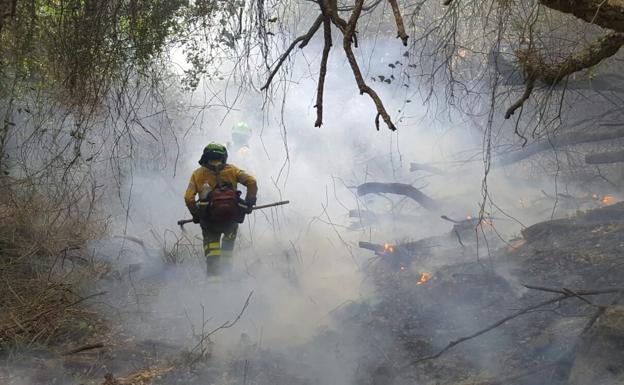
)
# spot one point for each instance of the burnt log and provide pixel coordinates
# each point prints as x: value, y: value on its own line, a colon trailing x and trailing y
x: 605, y: 157
x: 399, y: 189
x: 425, y: 167
x: 558, y: 141
x: 377, y: 248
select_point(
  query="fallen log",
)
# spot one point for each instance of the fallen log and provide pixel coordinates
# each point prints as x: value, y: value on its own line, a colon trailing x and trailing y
x: 425, y: 167
x: 571, y: 139
x: 605, y: 157
x: 372, y: 246
x: 399, y: 189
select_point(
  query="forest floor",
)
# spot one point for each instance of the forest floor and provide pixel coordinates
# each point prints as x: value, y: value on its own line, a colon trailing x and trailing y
x: 413, y: 330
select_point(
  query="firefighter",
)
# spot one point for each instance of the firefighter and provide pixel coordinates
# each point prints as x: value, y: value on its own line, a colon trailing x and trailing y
x: 219, y: 209
x: 241, y: 133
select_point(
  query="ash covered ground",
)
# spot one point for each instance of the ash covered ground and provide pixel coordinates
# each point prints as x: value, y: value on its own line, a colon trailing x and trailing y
x: 540, y: 309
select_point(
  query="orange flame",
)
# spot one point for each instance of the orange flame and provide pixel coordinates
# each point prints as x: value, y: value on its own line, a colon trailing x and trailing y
x: 424, y: 277
x: 388, y: 248
x: 608, y: 199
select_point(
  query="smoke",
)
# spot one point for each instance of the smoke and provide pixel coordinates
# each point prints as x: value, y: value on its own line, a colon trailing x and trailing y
x: 298, y: 263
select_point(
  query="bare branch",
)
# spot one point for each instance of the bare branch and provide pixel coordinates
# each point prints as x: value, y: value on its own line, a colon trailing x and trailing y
x: 364, y: 88
x: 573, y: 138
x: 323, y: 70
x: 607, y: 14
x: 552, y: 73
x: 400, y: 189
x: 605, y: 157
x: 528, y: 89
x: 399, y: 21
x: 303, y: 39
x: 564, y: 296
x: 83, y: 348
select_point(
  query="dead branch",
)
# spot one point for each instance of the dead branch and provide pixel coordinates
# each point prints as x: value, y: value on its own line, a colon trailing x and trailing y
x: 323, y: 70
x: 225, y: 325
x: 303, y: 39
x: 552, y: 73
x: 570, y: 139
x: 425, y: 167
x: 572, y: 293
x: 400, y: 189
x: 528, y: 89
x: 487, y: 329
x: 364, y: 88
x: 607, y: 14
x: 97, y: 345
x: 605, y: 157
x: 536, y: 68
x: 399, y: 21
x: 372, y: 247
x: 564, y: 295
x: 601, y: 310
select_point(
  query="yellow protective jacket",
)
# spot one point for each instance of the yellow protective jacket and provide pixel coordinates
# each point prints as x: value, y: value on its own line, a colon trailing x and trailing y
x: 229, y: 174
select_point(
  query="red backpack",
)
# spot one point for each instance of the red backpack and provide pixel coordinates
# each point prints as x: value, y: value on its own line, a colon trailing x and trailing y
x: 223, y: 206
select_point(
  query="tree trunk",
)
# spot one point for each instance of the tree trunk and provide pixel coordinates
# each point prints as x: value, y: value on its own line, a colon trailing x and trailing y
x: 605, y: 157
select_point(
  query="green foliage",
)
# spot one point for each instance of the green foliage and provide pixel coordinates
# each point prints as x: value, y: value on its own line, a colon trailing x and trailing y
x: 82, y: 47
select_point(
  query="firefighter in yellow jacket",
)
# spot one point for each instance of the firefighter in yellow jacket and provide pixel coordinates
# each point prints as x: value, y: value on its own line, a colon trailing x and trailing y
x: 219, y: 208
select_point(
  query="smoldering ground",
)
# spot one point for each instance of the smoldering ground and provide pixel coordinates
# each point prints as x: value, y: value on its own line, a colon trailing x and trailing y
x: 298, y: 265
x: 310, y: 284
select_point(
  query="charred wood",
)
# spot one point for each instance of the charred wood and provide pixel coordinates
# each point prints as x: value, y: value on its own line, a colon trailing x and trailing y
x: 571, y: 139
x: 605, y: 157
x: 399, y: 189
x: 425, y: 167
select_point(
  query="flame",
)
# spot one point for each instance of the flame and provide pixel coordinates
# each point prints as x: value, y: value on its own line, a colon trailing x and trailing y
x: 608, y: 199
x: 388, y: 248
x: 424, y: 277
x: 468, y: 217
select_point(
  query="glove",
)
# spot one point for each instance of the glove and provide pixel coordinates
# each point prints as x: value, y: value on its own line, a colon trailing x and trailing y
x: 250, y: 203
x: 195, y: 219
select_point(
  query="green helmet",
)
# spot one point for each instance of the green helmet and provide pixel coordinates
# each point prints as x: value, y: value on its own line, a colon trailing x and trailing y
x: 241, y: 128
x: 241, y: 133
x: 214, y: 151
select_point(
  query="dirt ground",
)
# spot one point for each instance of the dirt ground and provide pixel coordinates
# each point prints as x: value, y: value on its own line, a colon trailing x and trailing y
x: 403, y: 333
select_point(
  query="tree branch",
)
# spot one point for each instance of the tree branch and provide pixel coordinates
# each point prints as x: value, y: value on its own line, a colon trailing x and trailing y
x: 573, y: 138
x: 400, y: 189
x: 399, y: 21
x: 564, y: 295
x: 323, y: 70
x: 552, y: 73
x: 364, y: 88
x: 607, y: 14
x: 605, y: 157
x: 304, y: 39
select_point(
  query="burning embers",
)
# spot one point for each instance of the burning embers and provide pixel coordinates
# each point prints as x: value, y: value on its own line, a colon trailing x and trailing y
x: 603, y: 200
x: 424, y: 277
x: 608, y: 200
x: 388, y: 248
